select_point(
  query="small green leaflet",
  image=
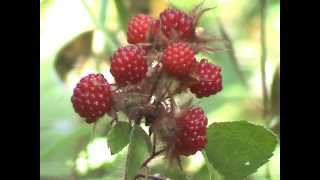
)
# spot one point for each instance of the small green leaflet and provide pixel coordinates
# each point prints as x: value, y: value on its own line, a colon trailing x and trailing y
x: 138, y: 151
x: 119, y: 136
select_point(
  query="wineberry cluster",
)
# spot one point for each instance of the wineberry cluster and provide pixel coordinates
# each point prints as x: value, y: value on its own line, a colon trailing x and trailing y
x: 158, y: 64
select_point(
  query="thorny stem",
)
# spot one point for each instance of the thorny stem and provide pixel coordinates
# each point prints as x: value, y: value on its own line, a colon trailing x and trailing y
x: 197, y: 18
x: 232, y: 54
x: 263, y: 8
x: 195, y: 9
x: 209, y: 50
x: 145, y: 163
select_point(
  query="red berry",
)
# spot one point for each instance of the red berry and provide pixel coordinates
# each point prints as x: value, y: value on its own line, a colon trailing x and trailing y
x: 128, y: 64
x: 138, y: 28
x: 178, y: 59
x: 91, y: 97
x: 177, y: 22
x: 191, y: 135
x: 209, y: 79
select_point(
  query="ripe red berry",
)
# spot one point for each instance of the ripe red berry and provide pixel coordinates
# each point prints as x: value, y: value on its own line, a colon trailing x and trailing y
x: 191, y: 135
x: 128, y: 64
x: 91, y: 97
x: 178, y: 59
x: 209, y: 79
x: 139, y: 28
x: 177, y: 22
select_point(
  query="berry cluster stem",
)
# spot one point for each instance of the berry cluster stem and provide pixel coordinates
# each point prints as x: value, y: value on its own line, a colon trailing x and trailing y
x: 155, y: 85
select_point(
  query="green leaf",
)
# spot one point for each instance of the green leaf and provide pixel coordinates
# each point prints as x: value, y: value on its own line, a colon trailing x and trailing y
x: 138, y: 151
x: 119, y: 137
x: 212, y: 173
x: 237, y: 149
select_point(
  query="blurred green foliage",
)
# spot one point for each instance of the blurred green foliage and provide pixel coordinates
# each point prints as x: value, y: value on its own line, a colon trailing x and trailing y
x: 67, y: 148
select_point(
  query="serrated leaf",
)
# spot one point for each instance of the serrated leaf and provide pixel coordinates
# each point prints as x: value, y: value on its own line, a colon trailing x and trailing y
x: 119, y: 137
x: 237, y: 149
x: 138, y: 151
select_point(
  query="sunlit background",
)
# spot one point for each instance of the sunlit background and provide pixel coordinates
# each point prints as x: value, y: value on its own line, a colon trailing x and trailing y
x: 77, y: 37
